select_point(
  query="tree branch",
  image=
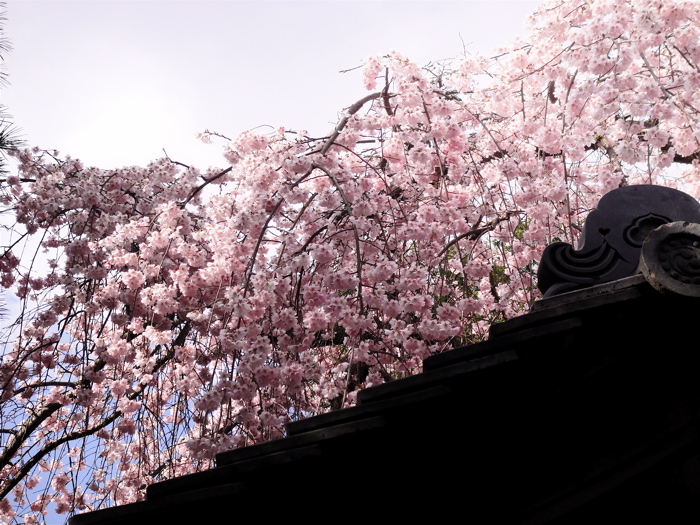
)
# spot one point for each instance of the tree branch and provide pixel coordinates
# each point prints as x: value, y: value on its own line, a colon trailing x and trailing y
x: 23, y: 434
x: 46, y: 449
x: 203, y: 185
x: 354, y: 229
x: 478, y: 232
x: 174, y: 161
x: 343, y: 122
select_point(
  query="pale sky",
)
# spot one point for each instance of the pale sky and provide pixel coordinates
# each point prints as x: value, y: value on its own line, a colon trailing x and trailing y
x: 114, y: 82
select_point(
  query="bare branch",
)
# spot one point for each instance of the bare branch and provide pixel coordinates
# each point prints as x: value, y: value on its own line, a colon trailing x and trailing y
x: 174, y: 161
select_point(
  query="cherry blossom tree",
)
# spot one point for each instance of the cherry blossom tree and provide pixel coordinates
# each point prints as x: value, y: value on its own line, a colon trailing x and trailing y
x: 169, y: 313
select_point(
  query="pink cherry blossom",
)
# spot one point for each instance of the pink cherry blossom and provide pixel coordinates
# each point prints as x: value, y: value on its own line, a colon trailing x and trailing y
x: 184, y: 312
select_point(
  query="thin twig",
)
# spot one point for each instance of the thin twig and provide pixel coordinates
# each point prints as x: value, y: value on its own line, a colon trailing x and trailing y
x: 174, y: 161
x: 358, y: 256
x: 478, y: 232
x: 664, y: 89
x: 343, y: 122
x: 22, y: 179
x: 258, y: 244
x: 203, y: 185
